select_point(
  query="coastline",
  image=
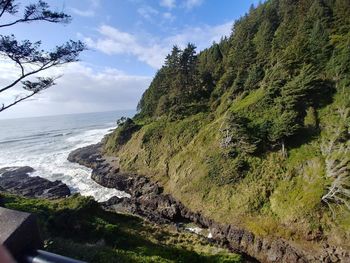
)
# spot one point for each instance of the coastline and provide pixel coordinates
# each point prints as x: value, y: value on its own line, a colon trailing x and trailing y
x: 148, y: 200
x: 44, y: 143
x: 17, y: 180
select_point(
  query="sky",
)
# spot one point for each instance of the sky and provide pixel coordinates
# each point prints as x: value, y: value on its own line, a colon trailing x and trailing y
x: 127, y: 42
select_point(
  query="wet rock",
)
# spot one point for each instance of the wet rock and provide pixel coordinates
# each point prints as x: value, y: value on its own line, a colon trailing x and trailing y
x: 16, y: 180
x: 148, y: 200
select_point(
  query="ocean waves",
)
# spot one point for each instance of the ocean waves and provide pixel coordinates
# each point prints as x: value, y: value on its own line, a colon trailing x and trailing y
x: 46, y: 150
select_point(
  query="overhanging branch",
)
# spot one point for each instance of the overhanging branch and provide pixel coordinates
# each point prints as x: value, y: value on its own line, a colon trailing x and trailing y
x: 16, y: 101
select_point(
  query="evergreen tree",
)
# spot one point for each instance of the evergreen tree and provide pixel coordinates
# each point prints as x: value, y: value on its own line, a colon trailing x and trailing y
x: 29, y: 57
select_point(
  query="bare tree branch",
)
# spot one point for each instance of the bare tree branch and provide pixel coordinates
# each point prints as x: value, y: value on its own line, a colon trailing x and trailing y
x: 335, y: 148
x: 24, y: 76
x: 29, y: 56
x: 16, y: 101
x: 27, y: 52
x: 34, y: 88
x: 33, y: 12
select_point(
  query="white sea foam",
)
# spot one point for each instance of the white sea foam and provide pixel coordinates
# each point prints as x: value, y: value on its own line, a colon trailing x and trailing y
x: 49, y: 159
x: 88, y: 137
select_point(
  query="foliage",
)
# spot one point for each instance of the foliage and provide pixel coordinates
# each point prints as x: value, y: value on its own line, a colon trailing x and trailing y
x: 335, y: 148
x: 29, y: 56
x: 236, y: 136
x: 310, y: 120
x: 126, y: 127
x: 273, y: 99
x: 77, y: 227
x: 297, y: 197
x: 179, y: 87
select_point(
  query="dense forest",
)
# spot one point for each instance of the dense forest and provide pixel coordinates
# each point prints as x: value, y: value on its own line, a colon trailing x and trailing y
x: 255, y: 130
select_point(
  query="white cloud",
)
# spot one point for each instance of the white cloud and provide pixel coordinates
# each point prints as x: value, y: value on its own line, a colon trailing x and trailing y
x: 150, y: 49
x: 189, y: 4
x: 202, y: 36
x: 95, y: 3
x: 168, y: 3
x: 114, y: 41
x: 80, y: 89
x: 90, y: 12
x: 169, y: 16
x: 147, y: 12
x: 154, y: 16
x: 85, y: 13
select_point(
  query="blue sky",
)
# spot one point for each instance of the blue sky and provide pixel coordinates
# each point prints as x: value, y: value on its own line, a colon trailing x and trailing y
x: 127, y: 40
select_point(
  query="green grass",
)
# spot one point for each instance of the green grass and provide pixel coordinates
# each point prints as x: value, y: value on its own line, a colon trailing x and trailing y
x: 275, y: 195
x: 296, y: 198
x: 77, y: 227
x: 252, y: 98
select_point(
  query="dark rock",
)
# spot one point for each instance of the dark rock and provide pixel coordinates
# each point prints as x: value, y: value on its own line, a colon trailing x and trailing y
x: 290, y: 256
x: 258, y: 246
x: 276, y: 251
x: 87, y: 156
x: 148, y: 200
x: 16, y: 180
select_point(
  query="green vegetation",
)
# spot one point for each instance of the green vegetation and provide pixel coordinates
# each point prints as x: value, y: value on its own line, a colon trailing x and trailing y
x: 126, y: 127
x: 254, y: 130
x: 79, y: 228
x: 29, y: 56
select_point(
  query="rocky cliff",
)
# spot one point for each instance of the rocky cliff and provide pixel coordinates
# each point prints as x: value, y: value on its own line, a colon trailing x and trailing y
x: 149, y: 200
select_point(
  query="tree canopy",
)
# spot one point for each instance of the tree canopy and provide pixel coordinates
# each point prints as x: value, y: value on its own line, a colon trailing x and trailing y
x: 28, y: 56
x: 294, y: 53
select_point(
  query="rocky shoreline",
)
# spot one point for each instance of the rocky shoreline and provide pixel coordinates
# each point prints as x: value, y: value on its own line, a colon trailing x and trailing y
x: 148, y: 200
x: 17, y: 180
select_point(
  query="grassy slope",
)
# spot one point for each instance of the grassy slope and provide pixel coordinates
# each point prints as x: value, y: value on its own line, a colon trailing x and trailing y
x: 78, y: 228
x: 303, y: 50
x: 277, y: 196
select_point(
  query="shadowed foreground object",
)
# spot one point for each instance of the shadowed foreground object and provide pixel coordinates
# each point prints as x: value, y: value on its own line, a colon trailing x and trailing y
x: 19, y: 233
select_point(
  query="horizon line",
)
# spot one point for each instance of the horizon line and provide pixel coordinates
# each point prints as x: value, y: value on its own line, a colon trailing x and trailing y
x: 65, y: 114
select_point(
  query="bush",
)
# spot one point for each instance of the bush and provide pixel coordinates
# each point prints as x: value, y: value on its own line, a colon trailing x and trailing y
x: 122, y: 134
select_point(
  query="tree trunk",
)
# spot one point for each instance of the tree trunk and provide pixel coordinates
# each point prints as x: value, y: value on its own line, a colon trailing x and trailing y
x: 284, y: 152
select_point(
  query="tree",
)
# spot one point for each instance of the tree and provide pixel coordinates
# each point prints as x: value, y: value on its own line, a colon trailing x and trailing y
x: 188, y: 61
x: 341, y: 15
x: 236, y: 136
x: 28, y: 56
x: 295, y: 97
x: 310, y: 120
x: 172, y: 61
x: 335, y: 148
x: 284, y: 125
x: 176, y: 87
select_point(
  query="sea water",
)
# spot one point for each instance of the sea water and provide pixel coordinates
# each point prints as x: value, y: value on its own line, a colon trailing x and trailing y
x: 45, y: 142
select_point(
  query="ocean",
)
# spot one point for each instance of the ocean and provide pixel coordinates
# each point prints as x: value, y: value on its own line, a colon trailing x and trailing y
x: 45, y: 142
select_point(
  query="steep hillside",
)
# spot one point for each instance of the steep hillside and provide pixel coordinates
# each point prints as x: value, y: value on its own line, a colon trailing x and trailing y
x: 255, y: 130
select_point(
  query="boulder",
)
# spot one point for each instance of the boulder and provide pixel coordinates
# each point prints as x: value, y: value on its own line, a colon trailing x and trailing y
x: 17, y: 180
